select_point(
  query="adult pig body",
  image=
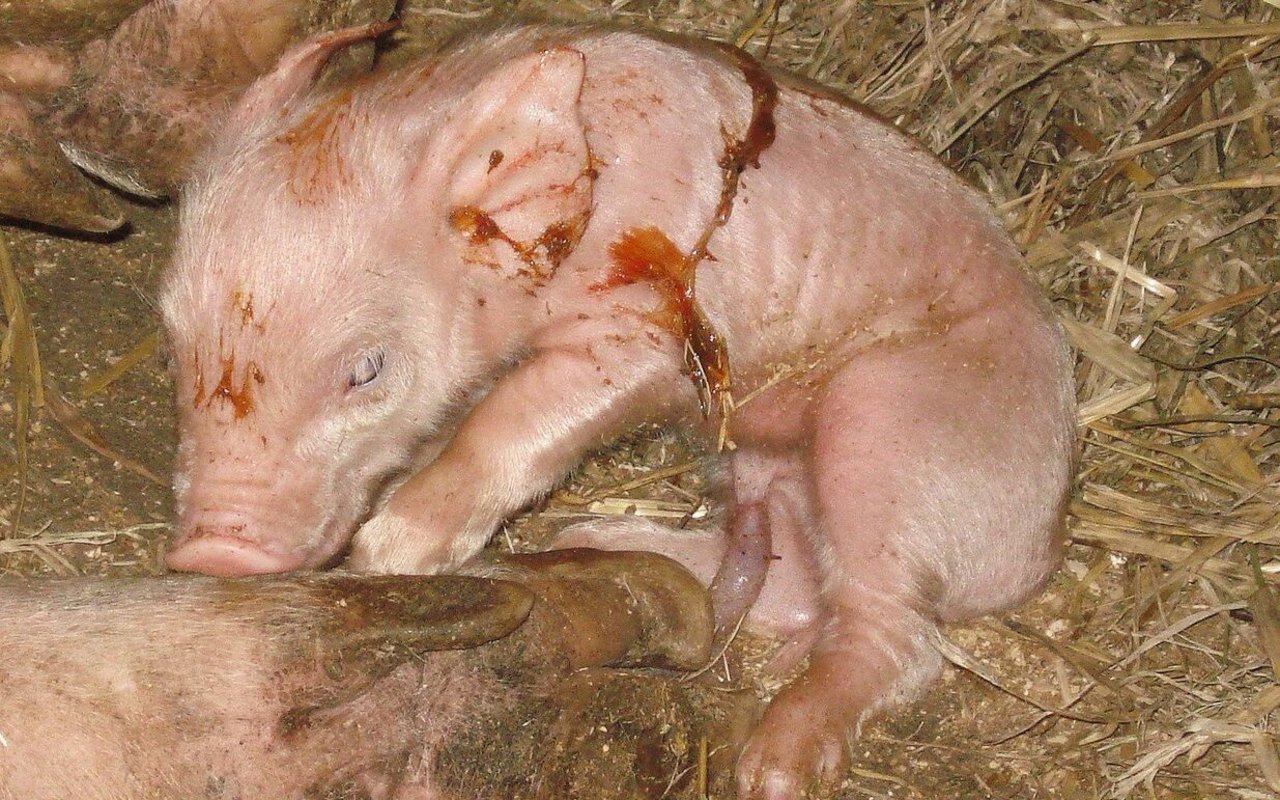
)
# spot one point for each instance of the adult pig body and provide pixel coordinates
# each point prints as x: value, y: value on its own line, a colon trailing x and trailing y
x: 324, y: 686
x: 457, y: 279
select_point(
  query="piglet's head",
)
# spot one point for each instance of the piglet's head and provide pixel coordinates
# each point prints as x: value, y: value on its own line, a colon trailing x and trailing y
x: 324, y: 309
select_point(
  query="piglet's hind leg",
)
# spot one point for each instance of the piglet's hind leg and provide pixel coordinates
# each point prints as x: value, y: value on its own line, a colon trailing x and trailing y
x: 932, y: 507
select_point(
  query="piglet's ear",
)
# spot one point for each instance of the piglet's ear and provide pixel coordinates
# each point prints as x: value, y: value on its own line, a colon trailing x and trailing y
x: 519, y: 170
x: 298, y: 69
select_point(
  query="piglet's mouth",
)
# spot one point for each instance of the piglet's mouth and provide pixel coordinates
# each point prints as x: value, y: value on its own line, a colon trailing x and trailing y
x: 221, y: 552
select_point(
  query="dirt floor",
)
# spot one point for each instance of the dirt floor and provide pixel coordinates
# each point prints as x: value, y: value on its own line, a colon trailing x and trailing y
x: 1147, y: 669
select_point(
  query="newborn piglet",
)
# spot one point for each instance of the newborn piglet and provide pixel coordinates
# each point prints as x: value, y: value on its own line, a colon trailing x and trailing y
x: 404, y: 308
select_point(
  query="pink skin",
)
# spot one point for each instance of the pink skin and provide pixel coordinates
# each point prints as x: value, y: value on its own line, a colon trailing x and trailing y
x: 415, y: 365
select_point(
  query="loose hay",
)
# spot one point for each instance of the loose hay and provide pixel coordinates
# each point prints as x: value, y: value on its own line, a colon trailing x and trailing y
x: 20, y: 356
x: 1131, y: 146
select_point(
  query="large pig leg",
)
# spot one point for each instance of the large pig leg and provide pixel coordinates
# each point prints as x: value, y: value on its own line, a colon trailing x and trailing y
x: 181, y: 688
x: 517, y: 444
x: 334, y: 685
x: 930, y: 505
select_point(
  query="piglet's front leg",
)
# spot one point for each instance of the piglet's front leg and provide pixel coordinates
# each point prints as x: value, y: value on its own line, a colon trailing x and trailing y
x: 518, y: 443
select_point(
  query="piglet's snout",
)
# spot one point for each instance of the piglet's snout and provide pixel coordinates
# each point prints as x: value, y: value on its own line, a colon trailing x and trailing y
x: 230, y: 528
x: 224, y: 551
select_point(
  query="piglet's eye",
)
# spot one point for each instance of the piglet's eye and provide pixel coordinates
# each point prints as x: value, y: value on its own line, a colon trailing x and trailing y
x: 366, y: 369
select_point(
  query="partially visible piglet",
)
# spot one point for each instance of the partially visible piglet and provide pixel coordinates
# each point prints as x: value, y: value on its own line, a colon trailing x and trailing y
x: 142, y: 101
x: 37, y: 182
x: 341, y: 686
x: 130, y: 98
x: 411, y: 304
